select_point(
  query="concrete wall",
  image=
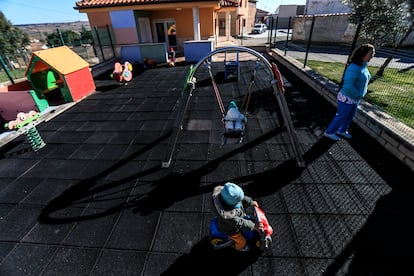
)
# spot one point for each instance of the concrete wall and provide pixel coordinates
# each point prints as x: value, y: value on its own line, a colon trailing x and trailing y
x: 393, y: 135
x: 331, y: 28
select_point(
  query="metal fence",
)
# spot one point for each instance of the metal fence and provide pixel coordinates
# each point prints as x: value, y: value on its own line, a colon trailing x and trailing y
x: 392, y: 69
x: 13, y: 66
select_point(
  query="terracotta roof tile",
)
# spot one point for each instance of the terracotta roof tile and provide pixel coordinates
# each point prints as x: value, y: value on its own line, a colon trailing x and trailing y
x: 113, y: 3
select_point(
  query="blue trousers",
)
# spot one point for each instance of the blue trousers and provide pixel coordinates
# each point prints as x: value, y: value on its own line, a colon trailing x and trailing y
x: 343, y: 118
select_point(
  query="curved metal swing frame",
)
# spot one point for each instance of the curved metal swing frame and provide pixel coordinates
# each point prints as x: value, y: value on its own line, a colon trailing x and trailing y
x: 278, y: 90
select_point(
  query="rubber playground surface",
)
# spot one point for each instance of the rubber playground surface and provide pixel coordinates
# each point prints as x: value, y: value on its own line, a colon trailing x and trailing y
x: 96, y: 199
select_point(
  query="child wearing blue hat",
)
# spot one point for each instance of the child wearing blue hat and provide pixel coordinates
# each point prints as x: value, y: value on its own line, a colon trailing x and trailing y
x: 234, y: 120
x: 230, y: 202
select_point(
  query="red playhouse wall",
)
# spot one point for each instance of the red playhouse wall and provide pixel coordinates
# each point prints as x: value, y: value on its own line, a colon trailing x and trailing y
x: 80, y: 83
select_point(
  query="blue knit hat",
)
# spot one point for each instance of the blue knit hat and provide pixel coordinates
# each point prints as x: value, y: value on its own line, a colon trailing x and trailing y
x: 232, y: 104
x: 232, y: 194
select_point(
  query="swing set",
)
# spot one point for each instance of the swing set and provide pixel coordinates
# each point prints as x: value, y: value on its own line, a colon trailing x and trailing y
x: 276, y: 84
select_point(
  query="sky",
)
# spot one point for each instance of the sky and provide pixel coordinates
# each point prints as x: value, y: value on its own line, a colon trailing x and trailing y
x: 58, y: 11
x: 41, y: 11
x: 271, y: 5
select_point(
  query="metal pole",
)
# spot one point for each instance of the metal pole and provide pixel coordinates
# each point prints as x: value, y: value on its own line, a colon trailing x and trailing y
x: 309, y: 42
x: 287, y: 36
x: 110, y: 39
x: 61, y: 37
x: 6, y: 70
x: 99, y: 41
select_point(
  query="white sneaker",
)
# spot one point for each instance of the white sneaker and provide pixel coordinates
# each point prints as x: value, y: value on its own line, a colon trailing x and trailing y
x: 332, y: 136
x: 345, y: 134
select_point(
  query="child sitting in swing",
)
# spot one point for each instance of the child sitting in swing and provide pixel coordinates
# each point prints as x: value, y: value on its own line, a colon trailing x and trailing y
x: 234, y: 120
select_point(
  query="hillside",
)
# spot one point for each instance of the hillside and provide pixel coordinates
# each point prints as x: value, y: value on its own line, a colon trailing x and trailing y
x: 40, y: 31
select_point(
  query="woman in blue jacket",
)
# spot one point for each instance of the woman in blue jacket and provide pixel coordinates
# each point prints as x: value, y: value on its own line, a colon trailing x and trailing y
x: 354, y: 87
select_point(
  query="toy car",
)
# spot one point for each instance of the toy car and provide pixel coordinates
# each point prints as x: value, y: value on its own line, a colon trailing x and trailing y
x: 261, y: 240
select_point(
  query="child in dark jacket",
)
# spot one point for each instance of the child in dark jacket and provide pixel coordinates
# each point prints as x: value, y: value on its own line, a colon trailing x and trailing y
x: 229, y: 201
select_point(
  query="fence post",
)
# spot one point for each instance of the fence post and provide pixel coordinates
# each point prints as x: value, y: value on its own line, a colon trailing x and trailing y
x: 269, y: 36
x: 361, y: 19
x: 110, y: 40
x: 99, y: 41
x: 276, y: 26
x: 309, y: 41
x: 287, y: 36
x: 61, y: 37
x: 6, y: 70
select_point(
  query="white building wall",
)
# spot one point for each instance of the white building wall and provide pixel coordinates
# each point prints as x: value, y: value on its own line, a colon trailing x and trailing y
x: 286, y: 11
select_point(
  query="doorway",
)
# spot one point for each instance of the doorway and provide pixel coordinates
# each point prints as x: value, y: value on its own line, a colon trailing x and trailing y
x: 167, y: 32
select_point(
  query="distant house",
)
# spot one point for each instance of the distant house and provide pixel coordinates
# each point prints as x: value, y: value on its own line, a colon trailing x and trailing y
x: 261, y: 16
x: 286, y: 13
x: 168, y: 21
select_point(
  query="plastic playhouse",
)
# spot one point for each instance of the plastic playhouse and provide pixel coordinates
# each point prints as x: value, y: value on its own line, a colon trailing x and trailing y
x: 59, y: 74
x: 54, y: 76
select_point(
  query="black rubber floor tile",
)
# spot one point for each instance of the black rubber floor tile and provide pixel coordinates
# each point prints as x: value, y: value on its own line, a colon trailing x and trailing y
x: 98, y: 169
x: 123, y: 137
x: 111, y: 152
x: 223, y: 172
x: 196, y: 151
x: 27, y: 259
x: 344, y: 198
x: 60, y: 169
x: 72, y: 261
x: 92, y: 229
x: 112, y: 262
x: 13, y: 168
x: 124, y: 170
x: 131, y: 125
x: 134, y: 231
x: 69, y: 137
x: 19, y: 189
x: 47, y: 190
x: 150, y: 137
x: 321, y: 236
x: 329, y: 172
x: 191, y: 202
x: 5, y: 249
x: 60, y: 151
x: 18, y: 222
x: 283, y: 243
x: 273, y: 203
x: 99, y: 137
x: 184, y: 226
x: 320, y: 267
x: 279, y: 266
x: 86, y: 152
x: 163, y: 264
x: 110, y: 195
x: 54, y: 227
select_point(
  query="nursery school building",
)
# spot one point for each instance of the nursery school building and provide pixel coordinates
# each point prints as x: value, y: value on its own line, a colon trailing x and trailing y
x: 140, y: 28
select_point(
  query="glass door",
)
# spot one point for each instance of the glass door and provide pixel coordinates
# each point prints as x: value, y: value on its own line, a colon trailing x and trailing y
x: 166, y: 32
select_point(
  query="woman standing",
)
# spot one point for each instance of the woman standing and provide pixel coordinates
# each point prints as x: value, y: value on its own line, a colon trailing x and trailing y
x: 353, y: 90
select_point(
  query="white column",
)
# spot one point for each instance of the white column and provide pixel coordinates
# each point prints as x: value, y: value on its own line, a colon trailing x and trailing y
x: 196, y: 23
x: 228, y: 25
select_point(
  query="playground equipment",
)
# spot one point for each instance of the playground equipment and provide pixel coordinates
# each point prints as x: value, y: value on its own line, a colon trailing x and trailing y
x: 24, y: 123
x: 249, y: 71
x: 59, y: 75
x: 122, y: 72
